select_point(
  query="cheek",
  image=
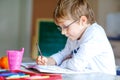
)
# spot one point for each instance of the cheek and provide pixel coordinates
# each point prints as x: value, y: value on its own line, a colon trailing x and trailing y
x: 72, y: 32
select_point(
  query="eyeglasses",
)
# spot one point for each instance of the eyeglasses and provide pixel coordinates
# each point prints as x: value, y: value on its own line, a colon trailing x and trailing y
x: 65, y: 27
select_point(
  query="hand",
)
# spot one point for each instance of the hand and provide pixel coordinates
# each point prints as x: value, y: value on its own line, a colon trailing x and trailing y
x: 41, y: 60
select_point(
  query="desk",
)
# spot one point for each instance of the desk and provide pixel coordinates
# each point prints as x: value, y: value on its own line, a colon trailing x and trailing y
x: 88, y: 76
x: 85, y: 76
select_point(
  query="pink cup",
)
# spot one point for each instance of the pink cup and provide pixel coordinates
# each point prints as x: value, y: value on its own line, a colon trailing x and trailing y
x: 15, y: 58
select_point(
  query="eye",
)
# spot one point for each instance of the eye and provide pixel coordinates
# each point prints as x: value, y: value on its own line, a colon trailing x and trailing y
x: 65, y: 27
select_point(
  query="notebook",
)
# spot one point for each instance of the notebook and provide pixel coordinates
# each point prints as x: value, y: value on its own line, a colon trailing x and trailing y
x: 47, y: 69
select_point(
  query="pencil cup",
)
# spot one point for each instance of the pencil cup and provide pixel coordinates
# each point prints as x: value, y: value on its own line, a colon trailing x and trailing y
x: 15, y: 58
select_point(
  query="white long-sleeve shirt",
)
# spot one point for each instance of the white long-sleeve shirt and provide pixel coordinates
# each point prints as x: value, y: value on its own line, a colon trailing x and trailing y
x: 92, y: 53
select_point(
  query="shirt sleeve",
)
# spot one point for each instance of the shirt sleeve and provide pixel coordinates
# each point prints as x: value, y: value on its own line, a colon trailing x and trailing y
x: 61, y: 55
x: 79, y: 60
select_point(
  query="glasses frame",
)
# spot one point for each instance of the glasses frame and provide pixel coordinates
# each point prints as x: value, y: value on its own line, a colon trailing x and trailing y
x: 65, y: 27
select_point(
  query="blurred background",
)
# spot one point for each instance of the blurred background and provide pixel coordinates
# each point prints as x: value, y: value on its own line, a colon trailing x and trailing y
x: 18, y: 20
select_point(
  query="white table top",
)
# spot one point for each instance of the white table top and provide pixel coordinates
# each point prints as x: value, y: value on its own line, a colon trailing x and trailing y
x: 88, y: 76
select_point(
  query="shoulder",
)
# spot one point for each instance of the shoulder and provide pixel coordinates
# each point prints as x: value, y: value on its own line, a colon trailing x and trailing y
x: 95, y: 28
x: 94, y: 33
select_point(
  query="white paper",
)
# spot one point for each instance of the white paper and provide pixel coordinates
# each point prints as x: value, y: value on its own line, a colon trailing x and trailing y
x: 48, y: 69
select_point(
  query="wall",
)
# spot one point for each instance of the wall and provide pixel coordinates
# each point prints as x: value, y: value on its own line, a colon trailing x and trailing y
x: 41, y: 9
x: 15, y: 25
x: 25, y: 25
x: 9, y: 23
x: 105, y: 7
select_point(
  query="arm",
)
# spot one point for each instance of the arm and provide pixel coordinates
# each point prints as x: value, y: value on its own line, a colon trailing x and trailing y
x: 63, y: 54
x: 79, y: 60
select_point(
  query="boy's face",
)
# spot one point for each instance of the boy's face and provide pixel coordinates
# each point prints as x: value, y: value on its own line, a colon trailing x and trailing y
x: 72, y: 29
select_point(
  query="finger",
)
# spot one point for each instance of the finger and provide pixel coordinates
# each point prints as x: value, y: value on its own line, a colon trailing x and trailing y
x: 38, y: 59
x: 45, y: 61
x: 41, y: 60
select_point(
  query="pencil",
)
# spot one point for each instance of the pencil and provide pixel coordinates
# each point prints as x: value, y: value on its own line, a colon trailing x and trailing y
x: 39, y: 50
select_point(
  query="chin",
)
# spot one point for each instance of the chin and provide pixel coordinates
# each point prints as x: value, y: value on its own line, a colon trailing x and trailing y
x: 73, y: 39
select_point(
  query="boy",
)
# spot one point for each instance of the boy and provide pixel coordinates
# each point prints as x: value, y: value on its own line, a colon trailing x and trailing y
x: 87, y: 48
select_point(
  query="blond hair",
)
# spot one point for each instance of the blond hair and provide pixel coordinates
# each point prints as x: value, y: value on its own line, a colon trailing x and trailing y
x: 73, y: 9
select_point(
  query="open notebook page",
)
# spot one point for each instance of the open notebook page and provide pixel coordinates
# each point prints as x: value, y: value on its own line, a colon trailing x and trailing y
x: 47, y: 69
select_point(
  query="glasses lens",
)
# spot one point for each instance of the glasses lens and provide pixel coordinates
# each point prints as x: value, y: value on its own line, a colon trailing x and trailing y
x: 65, y: 27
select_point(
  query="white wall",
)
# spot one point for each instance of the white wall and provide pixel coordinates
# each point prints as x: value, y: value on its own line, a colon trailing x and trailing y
x: 15, y: 25
x: 106, y: 7
x: 113, y: 24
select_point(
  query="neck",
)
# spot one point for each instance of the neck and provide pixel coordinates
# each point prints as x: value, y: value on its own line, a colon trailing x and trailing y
x: 85, y: 27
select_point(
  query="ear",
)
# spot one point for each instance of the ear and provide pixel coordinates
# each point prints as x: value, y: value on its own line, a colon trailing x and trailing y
x: 83, y: 20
